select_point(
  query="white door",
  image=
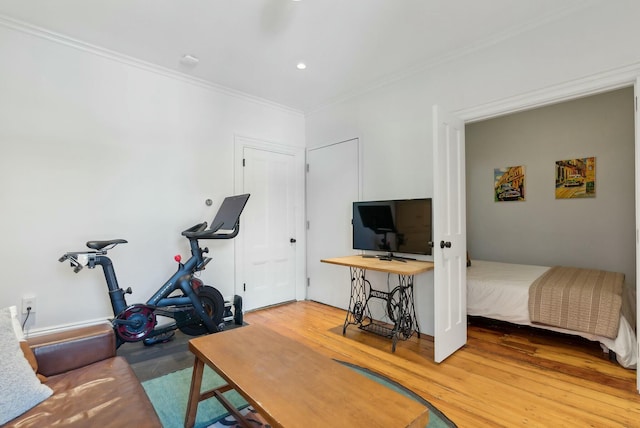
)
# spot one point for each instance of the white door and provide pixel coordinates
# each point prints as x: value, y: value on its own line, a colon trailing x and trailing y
x: 332, y: 187
x: 269, y: 255
x: 450, y: 237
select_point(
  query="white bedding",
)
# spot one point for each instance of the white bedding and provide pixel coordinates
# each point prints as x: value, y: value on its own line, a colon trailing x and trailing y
x: 501, y: 291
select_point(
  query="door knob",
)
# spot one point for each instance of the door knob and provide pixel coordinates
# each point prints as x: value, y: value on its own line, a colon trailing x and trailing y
x: 292, y: 240
x: 445, y: 244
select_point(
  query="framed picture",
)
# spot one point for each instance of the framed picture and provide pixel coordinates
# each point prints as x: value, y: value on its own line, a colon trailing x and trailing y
x: 508, y: 184
x: 576, y: 178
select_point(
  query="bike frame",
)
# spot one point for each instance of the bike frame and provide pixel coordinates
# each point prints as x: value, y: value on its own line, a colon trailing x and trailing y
x: 179, y: 280
x: 181, y: 308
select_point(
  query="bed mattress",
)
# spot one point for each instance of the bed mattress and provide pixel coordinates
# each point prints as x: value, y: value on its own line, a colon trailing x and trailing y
x: 501, y: 291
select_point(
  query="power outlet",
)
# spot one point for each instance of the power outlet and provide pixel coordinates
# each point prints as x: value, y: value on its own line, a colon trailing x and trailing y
x: 28, y: 302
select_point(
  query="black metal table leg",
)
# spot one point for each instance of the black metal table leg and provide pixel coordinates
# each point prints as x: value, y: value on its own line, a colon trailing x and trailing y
x: 400, y: 307
x: 357, y: 311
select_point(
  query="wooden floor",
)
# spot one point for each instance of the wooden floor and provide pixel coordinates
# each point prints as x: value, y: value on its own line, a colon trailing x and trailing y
x: 503, y: 377
x: 506, y: 376
x: 149, y: 362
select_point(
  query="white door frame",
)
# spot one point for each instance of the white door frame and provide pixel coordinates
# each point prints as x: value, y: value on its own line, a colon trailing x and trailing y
x: 240, y: 143
x: 591, y: 85
x: 636, y: 93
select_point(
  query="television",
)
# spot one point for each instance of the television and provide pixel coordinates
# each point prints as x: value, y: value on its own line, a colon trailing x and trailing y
x: 393, y: 226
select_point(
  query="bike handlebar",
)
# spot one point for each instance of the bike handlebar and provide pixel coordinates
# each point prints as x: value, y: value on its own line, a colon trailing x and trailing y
x: 212, y: 233
x: 197, y: 228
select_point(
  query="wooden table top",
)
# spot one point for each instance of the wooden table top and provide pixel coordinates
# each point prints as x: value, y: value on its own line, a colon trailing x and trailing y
x: 408, y: 267
x: 293, y: 386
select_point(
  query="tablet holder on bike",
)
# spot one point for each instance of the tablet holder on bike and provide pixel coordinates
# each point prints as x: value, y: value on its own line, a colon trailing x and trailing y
x: 197, y: 310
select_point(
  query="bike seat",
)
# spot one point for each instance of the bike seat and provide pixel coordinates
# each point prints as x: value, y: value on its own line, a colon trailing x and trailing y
x: 100, y: 245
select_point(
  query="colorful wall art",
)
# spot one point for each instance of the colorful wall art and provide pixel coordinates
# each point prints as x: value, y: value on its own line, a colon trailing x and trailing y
x: 576, y: 178
x: 508, y: 184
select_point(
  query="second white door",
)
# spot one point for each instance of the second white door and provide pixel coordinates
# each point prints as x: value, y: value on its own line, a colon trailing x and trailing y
x: 269, y: 241
x: 332, y: 187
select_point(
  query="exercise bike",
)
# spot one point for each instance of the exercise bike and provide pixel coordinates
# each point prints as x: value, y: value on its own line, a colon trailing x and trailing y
x: 196, y: 309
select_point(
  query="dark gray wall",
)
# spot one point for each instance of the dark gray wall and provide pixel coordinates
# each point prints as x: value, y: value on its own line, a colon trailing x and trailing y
x: 594, y: 232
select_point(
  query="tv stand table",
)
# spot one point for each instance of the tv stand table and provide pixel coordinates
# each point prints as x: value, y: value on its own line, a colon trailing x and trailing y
x: 400, y: 306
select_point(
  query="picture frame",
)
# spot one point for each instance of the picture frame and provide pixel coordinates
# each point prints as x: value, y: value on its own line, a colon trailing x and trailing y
x: 575, y: 178
x: 509, y: 184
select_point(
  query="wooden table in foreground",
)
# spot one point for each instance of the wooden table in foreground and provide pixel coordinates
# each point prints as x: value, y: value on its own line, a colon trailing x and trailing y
x: 400, y: 306
x: 291, y: 385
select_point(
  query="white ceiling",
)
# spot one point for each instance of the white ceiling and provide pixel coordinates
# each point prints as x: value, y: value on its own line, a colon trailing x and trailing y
x: 253, y: 46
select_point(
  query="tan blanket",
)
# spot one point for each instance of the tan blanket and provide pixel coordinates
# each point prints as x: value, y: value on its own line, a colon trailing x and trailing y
x: 584, y: 300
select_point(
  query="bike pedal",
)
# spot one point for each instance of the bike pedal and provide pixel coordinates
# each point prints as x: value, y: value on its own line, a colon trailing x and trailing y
x: 161, y: 338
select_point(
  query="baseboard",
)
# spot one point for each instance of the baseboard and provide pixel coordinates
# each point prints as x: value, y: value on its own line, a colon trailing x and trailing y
x: 64, y: 327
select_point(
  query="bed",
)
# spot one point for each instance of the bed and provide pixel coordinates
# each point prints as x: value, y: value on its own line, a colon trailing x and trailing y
x: 501, y: 291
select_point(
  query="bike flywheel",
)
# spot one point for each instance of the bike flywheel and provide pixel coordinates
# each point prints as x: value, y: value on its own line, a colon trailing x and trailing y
x: 135, y: 323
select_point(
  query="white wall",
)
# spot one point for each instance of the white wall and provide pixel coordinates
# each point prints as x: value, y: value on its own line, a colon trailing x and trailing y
x: 94, y: 147
x: 394, y: 122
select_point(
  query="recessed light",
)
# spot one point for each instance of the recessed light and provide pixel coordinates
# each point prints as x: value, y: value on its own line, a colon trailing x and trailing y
x: 301, y: 66
x: 189, y: 60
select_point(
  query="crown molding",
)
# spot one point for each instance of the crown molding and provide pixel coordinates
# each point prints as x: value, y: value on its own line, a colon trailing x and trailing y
x: 61, y: 39
x: 589, y: 85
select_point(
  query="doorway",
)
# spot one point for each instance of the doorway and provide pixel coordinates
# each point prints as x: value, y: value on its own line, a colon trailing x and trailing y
x: 573, y: 90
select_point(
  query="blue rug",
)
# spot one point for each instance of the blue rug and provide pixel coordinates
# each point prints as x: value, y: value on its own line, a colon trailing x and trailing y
x: 169, y: 396
x: 437, y: 419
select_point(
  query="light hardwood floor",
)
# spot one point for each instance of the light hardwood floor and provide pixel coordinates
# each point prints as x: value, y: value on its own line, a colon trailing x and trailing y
x: 503, y: 377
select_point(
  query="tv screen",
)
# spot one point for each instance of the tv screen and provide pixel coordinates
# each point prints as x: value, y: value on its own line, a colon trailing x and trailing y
x: 401, y: 225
